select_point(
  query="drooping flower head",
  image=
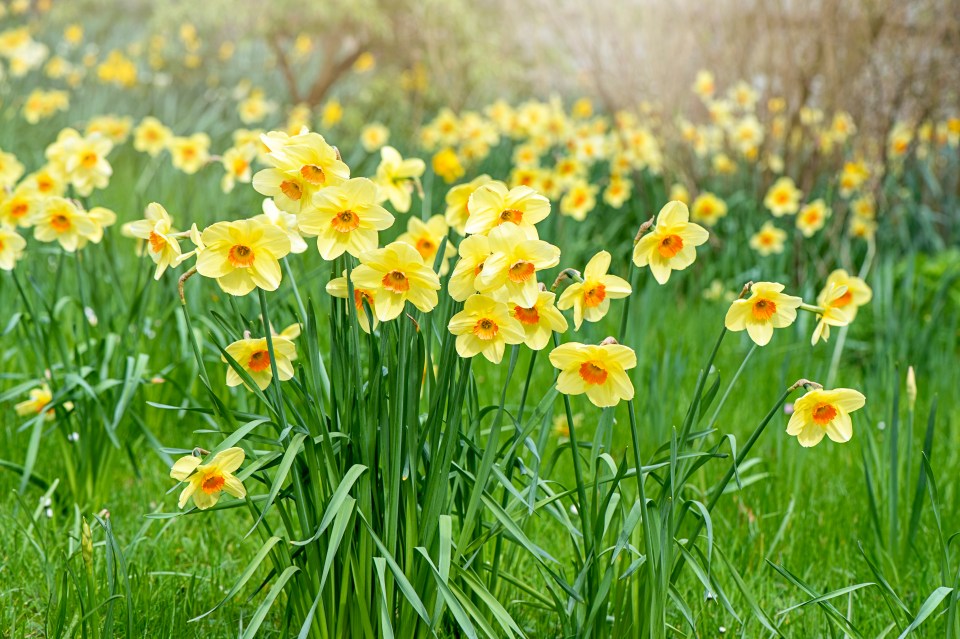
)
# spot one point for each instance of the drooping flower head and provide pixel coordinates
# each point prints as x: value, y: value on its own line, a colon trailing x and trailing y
x: 858, y: 293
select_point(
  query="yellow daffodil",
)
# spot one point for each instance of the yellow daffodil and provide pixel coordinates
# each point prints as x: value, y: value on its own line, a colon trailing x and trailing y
x: 768, y: 240
x: 345, y: 218
x: 254, y: 357
x: 457, y: 200
x: 858, y: 293
x: 286, y: 222
x: 812, y: 217
x: 301, y: 165
x: 10, y: 170
x: 671, y: 245
x: 474, y: 251
x: 767, y: 308
x: 20, y: 208
x: 337, y: 287
x: 590, y: 299
x: 510, y: 272
x: 426, y: 238
x: 102, y: 218
x: 396, y: 274
x: 835, y: 309
x: 493, y: 204
x: 824, y: 412
x: 62, y: 221
x: 243, y: 255
x: 539, y: 320
x: 151, y: 136
x: 617, y: 192
x: 783, y: 198
x: 11, y: 248
x: 206, y: 481
x: 374, y: 136
x: 485, y: 326
x: 190, y: 154
x: 396, y: 177
x: 708, y: 208
x: 39, y: 400
x: 157, y: 230
x: 579, y: 200
x: 45, y: 182
x: 704, y: 84
x: 599, y: 371
x: 446, y: 164
x: 82, y: 161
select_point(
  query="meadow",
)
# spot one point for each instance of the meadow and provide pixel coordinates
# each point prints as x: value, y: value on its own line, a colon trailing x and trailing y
x: 528, y: 369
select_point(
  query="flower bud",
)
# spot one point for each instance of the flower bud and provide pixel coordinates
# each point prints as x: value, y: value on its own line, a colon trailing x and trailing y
x: 911, y: 388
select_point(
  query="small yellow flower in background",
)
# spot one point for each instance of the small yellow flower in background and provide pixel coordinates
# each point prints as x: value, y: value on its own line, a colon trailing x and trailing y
x: 302, y: 165
x: 20, y: 208
x: 447, y: 165
x: 45, y: 182
x: 366, y: 61
x: 11, y: 248
x: 511, y: 270
x: 286, y: 222
x: 768, y: 240
x: 457, y: 200
x: 337, y: 287
x: 617, y: 192
x: 539, y: 320
x: 60, y: 220
x: 396, y: 273
x: 857, y: 294
x: 151, y: 136
x: 580, y: 199
x: 157, y: 230
x: 206, y: 481
x: 590, y: 299
x: 708, y: 208
x: 396, y: 177
x: 835, y: 310
x: 331, y: 114
x: 783, y: 197
x: 679, y: 193
x: 73, y: 34
x: 374, y: 136
x: 767, y: 308
x: 853, y: 175
x: 255, y: 107
x: 243, y: 255
x: 812, y: 217
x: 102, y: 218
x: 10, y: 169
x: 254, y: 357
x: 824, y: 412
x: 346, y: 218
x: 582, y: 108
x: 704, y: 84
x: 492, y: 204
x: 237, y: 167
x: 599, y: 371
x: 426, y: 238
x: 864, y: 207
x: 114, y: 128
x: 671, y: 245
x: 41, y: 104
x: 40, y: 398
x: 190, y: 154
x: 474, y: 251
x: 82, y: 161
x: 485, y: 326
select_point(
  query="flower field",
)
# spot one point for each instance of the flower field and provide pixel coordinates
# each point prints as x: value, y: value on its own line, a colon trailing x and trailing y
x: 291, y: 348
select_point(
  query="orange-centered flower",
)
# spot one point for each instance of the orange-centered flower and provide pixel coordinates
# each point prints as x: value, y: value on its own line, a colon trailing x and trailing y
x: 345, y: 221
x: 241, y: 256
x: 486, y: 329
x: 395, y: 281
x: 593, y: 373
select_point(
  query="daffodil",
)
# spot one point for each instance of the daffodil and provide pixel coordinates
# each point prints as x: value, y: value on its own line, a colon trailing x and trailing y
x: 599, y: 371
x: 457, y: 201
x: 254, y: 357
x: 671, y: 245
x: 151, y: 136
x: 834, y: 309
x: 102, y: 218
x: 579, y: 200
x: 485, y: 326
x: 783, y: 198
x: 446, y: 164
x: 590, y: 299
x: 426, y: 237
x: 492, y: 204
x: 38, y: 402
x: 396, y: 177
x: 301, y: 165
x: 243, y: 255
x: 374, y: 136
x: 858, y: 293
x: 82, y: 161
x: 10, y: 169
x: 510, y: 271
x: 20, y: 208
x: 767, y: 308
x: 539, y: 320
x: 206, y: 481
x: 11, y: 248
x: 474, y: 251
x: 157, y: 231
x: 824, y: 412
x: 62, y: 221
x: 768, y: 240
x: 618, y: 191
x: 397, y: 274
x: 708, y: 208
x: 812, y: 217
x: 337, y: 287
x: 191, y: 153
x: 236, y: 165
x: 345, y: 218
